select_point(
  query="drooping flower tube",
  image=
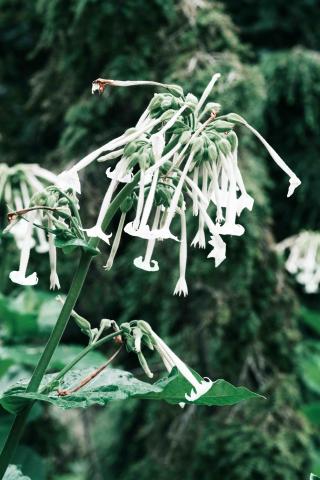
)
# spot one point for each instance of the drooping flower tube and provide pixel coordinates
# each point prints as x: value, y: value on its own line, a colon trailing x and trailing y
x: 181, y: 286
x: 171, y: 360
x: 54, y: 279
x: 20, y: 276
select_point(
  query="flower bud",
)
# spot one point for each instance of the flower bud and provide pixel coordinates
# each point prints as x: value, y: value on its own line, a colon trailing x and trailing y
x: 39, y: 198
x: 175, y: 90
x: 222, y: 125
x: 197, y: 145
x: 212, y: 152
x: 224, y: 146
x: 233, y: 140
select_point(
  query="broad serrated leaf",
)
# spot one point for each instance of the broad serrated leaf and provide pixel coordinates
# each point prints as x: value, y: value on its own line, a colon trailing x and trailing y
x: 114, y: 384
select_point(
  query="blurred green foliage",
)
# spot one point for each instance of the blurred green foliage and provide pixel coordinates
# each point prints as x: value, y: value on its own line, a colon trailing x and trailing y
x: 242, y: 321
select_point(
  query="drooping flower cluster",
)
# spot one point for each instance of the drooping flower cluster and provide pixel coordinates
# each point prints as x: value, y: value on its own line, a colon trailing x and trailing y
x: 186, y: 157
x: 36, y: 211
x: 181, y: 158
x: 303, y: 260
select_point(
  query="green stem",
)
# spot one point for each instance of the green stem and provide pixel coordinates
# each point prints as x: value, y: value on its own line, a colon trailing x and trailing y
x: 77, y: 359
x: 57, y: 332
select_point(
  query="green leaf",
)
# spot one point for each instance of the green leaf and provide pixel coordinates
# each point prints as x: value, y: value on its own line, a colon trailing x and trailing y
x: 28, y: 356
x: 32, y: 464
x: 28, y: 314
x: 69, y: 245
x: 311, y: 318
x: 114, y: 384
x: 312, y: 412
x: 13, y: 473
x: 220, y: 394
x: 308, y: 360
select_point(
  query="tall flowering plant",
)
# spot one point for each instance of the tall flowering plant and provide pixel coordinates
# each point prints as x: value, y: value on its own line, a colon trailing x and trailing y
x: 181, y: 155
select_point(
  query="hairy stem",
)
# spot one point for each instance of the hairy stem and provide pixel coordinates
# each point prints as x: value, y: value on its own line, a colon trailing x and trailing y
x: 57, y: 332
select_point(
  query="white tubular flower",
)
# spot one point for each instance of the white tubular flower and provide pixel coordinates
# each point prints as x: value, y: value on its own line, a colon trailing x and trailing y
x: 19, y: 231
x: 245, y: 200
x: 181, y: 286
x: 24, y: 194
x: 146, y: 263
x: 19, y: 276
x: 43, y: 245
x: 214, y: 192
x: 111, y: 155
x: 294, y: 181
x: 219, y: 249
x: 97, y: 231
x: 292, y: 261
x: 195, y: 178
x: 42, y: 173
x: 200, y: 238
x: 116, y: 144
x: 219, y: 246
x: 69, y: 179
x: 170, y: 360
x: 54, y: 279
x: 165, y: 231
x: 230, y: 227
x: 140, y: 228
x: 207, y: 92
x: 132, y: 227
x: 304, y: 258
x: 126, y: 178
x: 144, y: 231
x: 116, y: 243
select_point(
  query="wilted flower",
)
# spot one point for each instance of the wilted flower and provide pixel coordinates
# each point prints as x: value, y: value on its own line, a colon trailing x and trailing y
x: 303, y: 260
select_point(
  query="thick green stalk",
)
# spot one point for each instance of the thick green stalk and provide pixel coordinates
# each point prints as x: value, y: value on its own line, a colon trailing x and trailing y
x: 57, y: 332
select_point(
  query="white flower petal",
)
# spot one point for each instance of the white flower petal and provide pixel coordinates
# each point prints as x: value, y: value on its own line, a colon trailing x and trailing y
x: 231, y: 229
x: 200, y: 390
x: 69, y: 179
x: 181, y: 287
x: 19, y: 277
x: 151, y: 266
x: 96, y: 231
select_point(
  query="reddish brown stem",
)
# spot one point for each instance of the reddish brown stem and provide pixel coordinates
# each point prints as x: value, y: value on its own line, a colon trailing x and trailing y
x: 13, y: 215
x: 86, y: 380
